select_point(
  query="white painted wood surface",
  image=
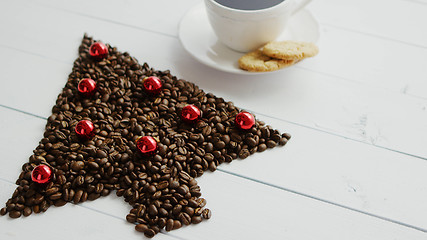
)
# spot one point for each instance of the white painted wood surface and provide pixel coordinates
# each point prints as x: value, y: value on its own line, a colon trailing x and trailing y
x: 355, y: 167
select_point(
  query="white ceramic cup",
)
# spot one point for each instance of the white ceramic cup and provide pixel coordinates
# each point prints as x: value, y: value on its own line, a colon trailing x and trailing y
x: 247, y: 30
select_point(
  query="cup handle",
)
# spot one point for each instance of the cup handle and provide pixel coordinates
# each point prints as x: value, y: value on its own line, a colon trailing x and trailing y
x: 300, y: 4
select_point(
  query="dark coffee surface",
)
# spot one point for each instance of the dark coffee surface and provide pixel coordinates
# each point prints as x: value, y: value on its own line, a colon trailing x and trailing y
x: 249, y: 4
x: 161, y: 188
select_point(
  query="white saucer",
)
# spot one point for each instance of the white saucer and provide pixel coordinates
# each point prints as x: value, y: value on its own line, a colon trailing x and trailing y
x: 200, y: 41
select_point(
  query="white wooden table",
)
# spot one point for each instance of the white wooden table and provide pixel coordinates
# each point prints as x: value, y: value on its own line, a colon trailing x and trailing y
x: 355, y: 168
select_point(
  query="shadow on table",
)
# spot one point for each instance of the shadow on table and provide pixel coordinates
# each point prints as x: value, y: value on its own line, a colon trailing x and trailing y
x: 233, y: 87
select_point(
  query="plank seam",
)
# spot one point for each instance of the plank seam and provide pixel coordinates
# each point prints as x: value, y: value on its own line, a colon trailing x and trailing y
x: 342, y: 136
x: 375, y: 35
x: 107, y: 20
x: 174, y: 36
x: 324, y: 201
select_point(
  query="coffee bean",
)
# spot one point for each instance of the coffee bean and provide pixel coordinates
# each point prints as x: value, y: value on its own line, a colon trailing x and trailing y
x: 220, y: 127
x: 141, y: 227
x: 180, y: 158
x: 201, y: 202
x: 198, y: 211
x: 176, y: 224
x: 38, y: 199
x: 77, y: 166
x: 163, y: 212
x: 184, y: 218
x: 152, y: 210
x: 271, y: 143
x: 236, y: 137
x: 56, y: 196
x: 192, y: 182
x: 275, y: 137
x: 209, y: 147
x: 251, y: 142
x: 177, y: 209
x: 27, y: 211
x: 262, y: 147
x: 51, y: 191
x: 131, y: 218
x: 78, y: 196
x: 244, y: 153
x: 183, y: 189
x: 206, y: 214
x: 193, y: 203
x: 196, y: 219
x: 14, y: 214
x: 79, y: 180
x: 93, y: 165
x: 162, y: 185
x: 89, y: 179
x: 286, y: 135
x: 128, y: 181
x: 283, y: 141
x: 3, y: 211
x: 101, y: 154
x: 220, y: 145
x: 184, y: 176
x: 59, y: 203
x: 189, y: 211
x: 149, y: 233
x: 36, y: 209
x: 19, y: 207
x: 61, y: 179
x: 151, y: 189
x: 93, y: 196
x: 174, y: 184
x: 169, y: 225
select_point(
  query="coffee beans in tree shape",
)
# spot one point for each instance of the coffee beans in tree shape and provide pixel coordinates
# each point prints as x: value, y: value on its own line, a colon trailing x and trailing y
x: 160, y: 187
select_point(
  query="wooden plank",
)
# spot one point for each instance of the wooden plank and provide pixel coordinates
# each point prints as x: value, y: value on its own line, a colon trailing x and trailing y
x: 403, y: 21
x: 348, y: 173
x: 357, y: 16
x: 373, y: 60
x: 159, y: 16
x: 241, y: 210
x: 69, y: 222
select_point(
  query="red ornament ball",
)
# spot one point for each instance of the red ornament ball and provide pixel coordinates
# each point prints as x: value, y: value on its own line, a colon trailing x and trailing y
x: 86, y: 87
x: 41, y: 174
x: 98, y: 50
x: 147, y: 144
x: 245, y: 120
x: 152, y: 85
x: 85, y: 129
x: 190, y: 113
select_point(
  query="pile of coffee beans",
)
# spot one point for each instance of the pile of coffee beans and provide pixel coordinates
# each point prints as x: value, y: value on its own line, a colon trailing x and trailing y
x: 161, y: 188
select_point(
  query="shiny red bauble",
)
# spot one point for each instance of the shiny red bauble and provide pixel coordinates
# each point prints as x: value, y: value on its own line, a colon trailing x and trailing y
x: 190, y: 113
x: 152, y: 85
x: 146, y: 144
x: 86, y: 87
x: 98, y: 50
x: 41, y: 174
x: 85, y: 129
x: 245, y: 120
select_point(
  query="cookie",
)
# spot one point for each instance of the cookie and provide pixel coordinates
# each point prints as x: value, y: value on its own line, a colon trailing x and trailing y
x: 258, y: 62
x: 290, y: 50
